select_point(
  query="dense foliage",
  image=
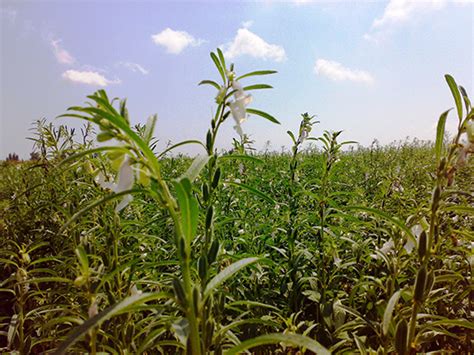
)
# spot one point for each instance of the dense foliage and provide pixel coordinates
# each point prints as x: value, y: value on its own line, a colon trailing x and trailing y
x: 324, y: 250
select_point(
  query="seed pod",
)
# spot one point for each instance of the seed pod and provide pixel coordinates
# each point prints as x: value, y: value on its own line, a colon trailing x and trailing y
x: 215, y: 179
x: 422, y: 245
x: 182, y: 249
x: 209, y: 141
x: 205, y: 192
x: 420, y: 284
x: 104, y: 136
x: 401, y: 335
x: 202, y: 267
x: 196, y: 300
x: 211, y: 256
x: 209, y: 331
x: 436, y: 196
x: 179, y: 292
x: 209, y: 215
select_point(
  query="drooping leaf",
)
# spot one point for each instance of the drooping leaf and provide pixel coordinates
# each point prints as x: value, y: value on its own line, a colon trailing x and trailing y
x: 293, y: 339
x: 227, y: 273
x: 258, y: 72
x: 196, y: 166
x: 456, y: 95
x: 387, y: 315
x: 440, y: 134
x: 122, y: 307
x: 263, y: 114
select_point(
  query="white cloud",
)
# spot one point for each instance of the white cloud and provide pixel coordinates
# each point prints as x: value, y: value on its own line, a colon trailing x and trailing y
x: 337, y: 72
x: 88, y: 77
x: 8, y: 13
x: 175, y: 41
x: 248, y: 43
x: 399, y: 11
x: 134, y: 67
x: 62, y: 55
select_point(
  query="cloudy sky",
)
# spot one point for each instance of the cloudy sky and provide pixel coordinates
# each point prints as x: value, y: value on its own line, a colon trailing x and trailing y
x: 373, y: 69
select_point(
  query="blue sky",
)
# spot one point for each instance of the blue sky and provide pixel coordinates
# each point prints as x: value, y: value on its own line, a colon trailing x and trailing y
x: 372, y: 69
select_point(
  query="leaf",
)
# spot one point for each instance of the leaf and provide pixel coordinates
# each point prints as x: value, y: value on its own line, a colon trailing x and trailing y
x: 210, y: 82
x: 263, y: 114
x: 86, y: 209
x: 221, y: 58
x: 189, y: 208
x: 275, y: 338
x: 240, y: 157
x: 456, y: 95
x: 191, y: 141
x: 440, y: 134
x: 292, y: 136
x: 253, y: 191
x: 258, y: 72
x: 218, y: 66
x: 122, y: 307
x: 195, y: 169
x: 385, y: 216
x: 227, y: 273
x: 387, y: 315
x: 83, y: 260
x: 257, y: 87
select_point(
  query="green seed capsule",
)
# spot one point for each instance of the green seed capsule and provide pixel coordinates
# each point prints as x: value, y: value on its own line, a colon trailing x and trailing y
x: 209, y: 216
x: 436, y: 196
x: 422, y: 245
x: 211, y: 257
x: 104, y: 136
x: 182, y: 249
x: 202, y: 267
x: 209, y: 141
x: 401, y: 335
x: 196, y: 300
x: 205, y: 192
x: 217, y: 176
x: 420, y: 284
x: 179, y: 292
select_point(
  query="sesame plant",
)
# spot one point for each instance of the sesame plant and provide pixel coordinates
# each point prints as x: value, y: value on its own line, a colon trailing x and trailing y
x: 111, y: 245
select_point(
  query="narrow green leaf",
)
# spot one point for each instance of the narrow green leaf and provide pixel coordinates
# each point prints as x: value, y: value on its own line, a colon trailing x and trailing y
x: 191, y: 141
x: 292, y: 136
x: 195, y: 169
x: 189, y: 208
x: 293, y: 339
x: 210, y: 82
x: 83, y: 260
x: 257, y: 87
x: 222, y: 59
x: 456, y: 95
x: 387, y: 315
x: 240, y: 157
x: 218, y: 66
x: 227, y: 273
x: 119, y: 308
x: 258, y: 72
x: 440, y: 134
x: 84, y: 210
x: 387, y: 217
x: 263, y: 114
x: 253, y: 191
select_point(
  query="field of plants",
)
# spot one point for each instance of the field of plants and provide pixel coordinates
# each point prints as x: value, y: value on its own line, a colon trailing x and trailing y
x: 111, y: 246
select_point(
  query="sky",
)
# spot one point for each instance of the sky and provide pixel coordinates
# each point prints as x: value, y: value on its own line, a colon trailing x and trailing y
x: 373, y: 69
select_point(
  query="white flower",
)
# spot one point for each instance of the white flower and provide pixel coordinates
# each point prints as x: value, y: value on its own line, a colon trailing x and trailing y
x: 238, y: 106
x: 125, y: 180
x: 304, y: 134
